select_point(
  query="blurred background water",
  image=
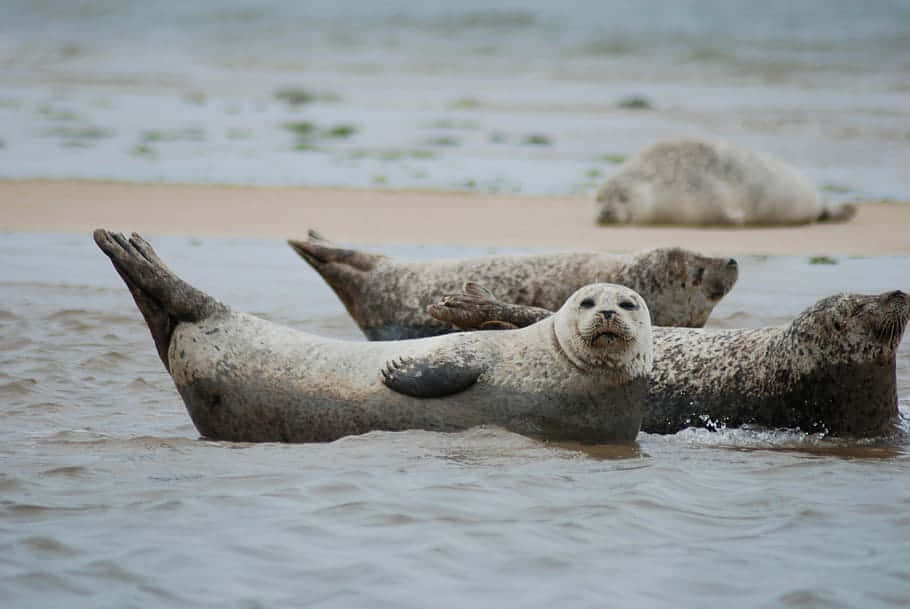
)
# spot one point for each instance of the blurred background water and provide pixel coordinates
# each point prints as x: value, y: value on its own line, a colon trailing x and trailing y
x: 521, y: 96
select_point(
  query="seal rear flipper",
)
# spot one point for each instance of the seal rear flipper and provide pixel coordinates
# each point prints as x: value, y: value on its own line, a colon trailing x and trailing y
x: 319, y: 251
x: 837, y: 213
x: 345, y: 270
x: 432, y: 376
x: 163, y: 298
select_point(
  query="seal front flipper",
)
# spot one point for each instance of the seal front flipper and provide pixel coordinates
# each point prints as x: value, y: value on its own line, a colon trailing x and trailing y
x: 476, y: 308
x: 435, y: 375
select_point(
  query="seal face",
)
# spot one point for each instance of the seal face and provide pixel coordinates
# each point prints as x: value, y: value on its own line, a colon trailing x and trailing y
x: 698, y: 182
x: 388, y: 298
x: 832, y: 369
x: 578, y: 375
x: 599, y: 328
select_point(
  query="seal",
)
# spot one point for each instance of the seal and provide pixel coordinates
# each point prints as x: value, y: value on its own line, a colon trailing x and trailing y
x: 579, y: 375
x: 387, y: 298
x: 832, y: 369
x: 698, y: 182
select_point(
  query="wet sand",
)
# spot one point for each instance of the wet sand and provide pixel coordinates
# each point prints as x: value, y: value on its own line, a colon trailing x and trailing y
x: 386, y: 216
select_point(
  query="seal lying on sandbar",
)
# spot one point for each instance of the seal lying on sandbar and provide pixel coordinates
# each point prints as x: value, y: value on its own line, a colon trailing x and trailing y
x: 578, y: 375
x: 388, y: 298
x: 832, y: 369
x: 697, y: 182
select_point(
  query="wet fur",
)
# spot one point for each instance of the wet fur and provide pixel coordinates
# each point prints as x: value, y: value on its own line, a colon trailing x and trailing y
x: 388, y: 298
x: 832, y: 369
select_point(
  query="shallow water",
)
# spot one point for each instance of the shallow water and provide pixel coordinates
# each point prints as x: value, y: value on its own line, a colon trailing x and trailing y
x: 109, y: 499
x: 524, y: 97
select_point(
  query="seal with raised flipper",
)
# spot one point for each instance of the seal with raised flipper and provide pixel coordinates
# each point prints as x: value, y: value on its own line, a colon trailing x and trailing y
x: 832, y: 369
x: 387, y: 297
x: 579, y: 375
x: 702, y: 182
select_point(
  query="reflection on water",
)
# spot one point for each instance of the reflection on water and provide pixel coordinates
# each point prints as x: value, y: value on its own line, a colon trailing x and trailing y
x: 109, y: 499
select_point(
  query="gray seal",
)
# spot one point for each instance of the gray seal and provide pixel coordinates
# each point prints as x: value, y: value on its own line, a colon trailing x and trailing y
x: 387, y: 297
x: 579, y: 375
x: 831, y: 369
x: 699, y: 182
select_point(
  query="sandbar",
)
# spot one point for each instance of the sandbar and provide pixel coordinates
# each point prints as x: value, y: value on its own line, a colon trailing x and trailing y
x: 387, y: 216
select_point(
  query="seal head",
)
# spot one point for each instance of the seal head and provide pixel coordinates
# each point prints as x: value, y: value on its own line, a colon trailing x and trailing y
x: 624, y: 202
x: 852, y: 328
x: 607, y: 328
x: 687, y: 285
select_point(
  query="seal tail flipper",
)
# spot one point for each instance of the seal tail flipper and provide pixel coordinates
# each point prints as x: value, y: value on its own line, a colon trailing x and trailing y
x: 345, y: 270
x: 163, y: 298
x: 318, y: 251
x: 837, y: 213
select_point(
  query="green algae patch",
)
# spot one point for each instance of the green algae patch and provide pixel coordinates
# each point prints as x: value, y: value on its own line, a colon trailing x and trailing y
x: 822, y: 260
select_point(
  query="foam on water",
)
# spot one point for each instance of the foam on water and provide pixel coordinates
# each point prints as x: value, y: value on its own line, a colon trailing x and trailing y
x: 109, y: 498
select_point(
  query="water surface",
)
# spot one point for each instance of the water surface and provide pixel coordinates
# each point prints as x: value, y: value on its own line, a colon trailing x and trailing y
x: 108, y: 498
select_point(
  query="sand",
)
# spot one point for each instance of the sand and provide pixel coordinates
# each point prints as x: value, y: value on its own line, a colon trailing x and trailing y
x: 385, y: 216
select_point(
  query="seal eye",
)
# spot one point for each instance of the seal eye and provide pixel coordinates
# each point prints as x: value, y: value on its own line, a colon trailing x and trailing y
x: 587, y: 303
x: 628, y: 305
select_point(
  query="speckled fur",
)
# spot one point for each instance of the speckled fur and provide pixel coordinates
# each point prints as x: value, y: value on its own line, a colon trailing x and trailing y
x: 699, y: 182
x: 388, y: 298
x: 246, y: 379
x: 831, y: 369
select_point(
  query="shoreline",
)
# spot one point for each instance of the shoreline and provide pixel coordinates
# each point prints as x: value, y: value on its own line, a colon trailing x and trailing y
x: 388, y: 216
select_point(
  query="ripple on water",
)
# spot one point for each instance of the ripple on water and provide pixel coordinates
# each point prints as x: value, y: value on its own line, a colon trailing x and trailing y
x: 8, y: 316
x: 69, y: 471
x: 809, y: 599
x: 49, y: 546
x: 747, y: 438
x: 77, y: 437
x: 10, y: 483
x: 105, y: 361
x: 15, y: 343
x: 140, y: 385
x: 18, y: 389
x: 83, y: 320
x: 42, y: 584
x: 35, y: 512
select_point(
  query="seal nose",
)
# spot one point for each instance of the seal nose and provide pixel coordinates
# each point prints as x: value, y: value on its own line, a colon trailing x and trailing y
x: 607, y: 314
x: 896, y: 295
x: 732, y: 264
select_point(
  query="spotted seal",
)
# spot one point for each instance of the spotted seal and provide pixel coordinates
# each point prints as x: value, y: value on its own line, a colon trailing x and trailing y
x: 831, y: 369
x: 698, y: 182
x: 387, y: 298
x: 578, y: 375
